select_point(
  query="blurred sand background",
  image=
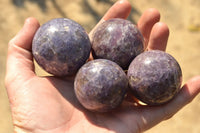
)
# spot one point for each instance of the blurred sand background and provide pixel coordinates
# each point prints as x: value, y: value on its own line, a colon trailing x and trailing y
x: 182, y: 17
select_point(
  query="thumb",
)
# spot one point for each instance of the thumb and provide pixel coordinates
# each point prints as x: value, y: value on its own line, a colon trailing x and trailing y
x: 19, y: 59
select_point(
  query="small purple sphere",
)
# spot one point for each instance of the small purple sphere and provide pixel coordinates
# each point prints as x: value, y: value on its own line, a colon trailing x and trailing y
x: 100, y: 85
x: 117, y: 40
x: 61, y: 46
x: 155, y: 77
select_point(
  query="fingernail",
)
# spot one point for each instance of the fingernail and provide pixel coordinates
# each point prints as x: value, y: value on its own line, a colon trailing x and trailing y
x: 25, y: 23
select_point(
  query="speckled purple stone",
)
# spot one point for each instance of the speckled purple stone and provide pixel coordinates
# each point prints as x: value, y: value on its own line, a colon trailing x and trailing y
x: 118, y: 40
x: 154, y: 77
x: 100, y: 85
x: 61, y: 46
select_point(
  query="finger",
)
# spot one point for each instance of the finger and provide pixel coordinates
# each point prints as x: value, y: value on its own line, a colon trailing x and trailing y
x: 24, y: 38
x: 146, y: 22
x: 158, y: 37
x: 19, y: 58
x: 121, y: 9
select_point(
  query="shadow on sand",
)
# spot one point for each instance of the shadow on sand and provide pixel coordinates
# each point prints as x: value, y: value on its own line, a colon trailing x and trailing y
x: 87, y: 7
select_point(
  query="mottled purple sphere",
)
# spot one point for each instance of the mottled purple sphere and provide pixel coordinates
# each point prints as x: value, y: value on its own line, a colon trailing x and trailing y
x: 100, y: 85
x: 61, y: 46
x: 155, y: 77
x: 117, y: 40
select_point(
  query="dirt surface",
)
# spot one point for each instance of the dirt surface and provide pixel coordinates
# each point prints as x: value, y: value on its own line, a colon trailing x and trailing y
x: 182, y: 17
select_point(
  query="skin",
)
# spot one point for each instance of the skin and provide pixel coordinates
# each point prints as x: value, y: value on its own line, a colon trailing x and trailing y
x: 48, y: 104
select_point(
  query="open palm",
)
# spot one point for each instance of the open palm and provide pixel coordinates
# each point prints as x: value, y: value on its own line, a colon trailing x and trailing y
x: 49, y: 105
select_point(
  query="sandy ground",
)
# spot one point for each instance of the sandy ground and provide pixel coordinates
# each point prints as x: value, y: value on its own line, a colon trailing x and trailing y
x: 182, y: 17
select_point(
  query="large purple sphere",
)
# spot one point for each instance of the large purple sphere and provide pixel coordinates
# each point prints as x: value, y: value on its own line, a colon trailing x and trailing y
x: 117, y: 40
x: 100, y: 85
x: 154, y: 77
x: 61, y: 46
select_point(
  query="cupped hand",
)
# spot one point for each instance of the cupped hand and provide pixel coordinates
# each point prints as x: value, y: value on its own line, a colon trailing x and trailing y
x: 48, y: 104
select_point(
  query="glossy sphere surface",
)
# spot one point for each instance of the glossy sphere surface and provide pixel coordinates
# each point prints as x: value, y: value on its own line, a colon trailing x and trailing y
x: 154, y: 77
x: 117, y: 40
x: 61, y: 46
x: 100, y: 85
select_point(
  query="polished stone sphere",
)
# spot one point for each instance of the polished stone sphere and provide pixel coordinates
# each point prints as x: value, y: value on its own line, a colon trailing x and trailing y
x: 100, y: 85
x: 154, y: 77
x: 61, y: 46
x: 117, y: 40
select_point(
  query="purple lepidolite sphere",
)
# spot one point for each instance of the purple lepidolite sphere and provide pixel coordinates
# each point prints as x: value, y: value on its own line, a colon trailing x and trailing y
x: 61, y: 46
x: 118, y: 40
x: 100, y: 85
x: 154, y: 77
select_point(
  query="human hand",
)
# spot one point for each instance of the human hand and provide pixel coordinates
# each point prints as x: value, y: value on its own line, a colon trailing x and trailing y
x: 48, y: 104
